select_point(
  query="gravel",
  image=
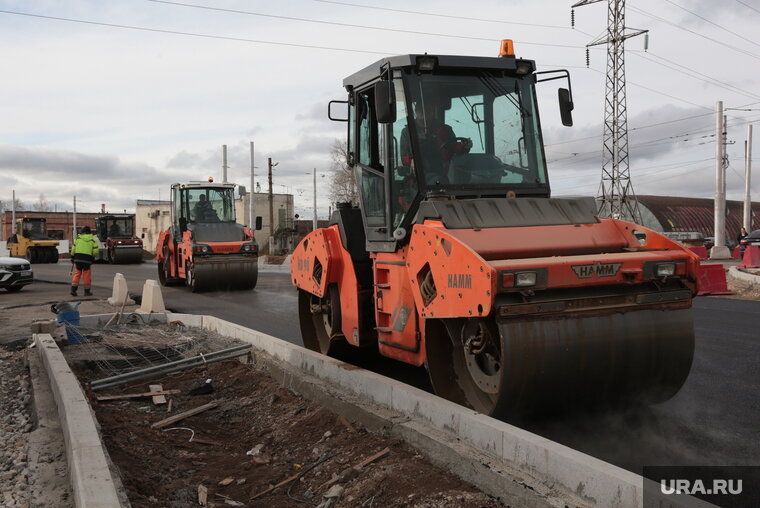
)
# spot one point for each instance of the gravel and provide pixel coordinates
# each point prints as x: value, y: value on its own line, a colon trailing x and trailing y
x: 15, y: 418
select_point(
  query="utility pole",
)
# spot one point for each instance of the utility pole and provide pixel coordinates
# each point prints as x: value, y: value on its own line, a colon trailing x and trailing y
x: 616, y: 197
x: 224, y: 163
x: 13, y: 213
x: 747, y: 218
x: 719, y: 250
x: 252, y: 197
x: 315, y: 199
x: 271, y: 207
x: 74, y: 219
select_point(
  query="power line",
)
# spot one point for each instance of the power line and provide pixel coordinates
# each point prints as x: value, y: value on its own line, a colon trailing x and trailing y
x: 190, y: 34
x: 438, y: 15
x: 716, y: 41
x: 748, y: 6
x: 712, y: 23
x: 335, y: 23
x: 694, y: 74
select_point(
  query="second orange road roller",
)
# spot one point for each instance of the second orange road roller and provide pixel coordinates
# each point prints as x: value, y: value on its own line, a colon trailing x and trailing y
x: 458, y: 258
x: 205, y: 248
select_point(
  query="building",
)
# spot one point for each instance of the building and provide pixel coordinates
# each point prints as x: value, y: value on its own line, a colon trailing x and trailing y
x: 153, y: 216
x: 675, y: 214
x: 60, y: 225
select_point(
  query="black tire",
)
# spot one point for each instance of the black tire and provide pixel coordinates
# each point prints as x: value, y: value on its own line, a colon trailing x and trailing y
x: 190, y: 281
x: 31, y: 255
x: 54, y: 255
x: 14, y: 289
x: 321, y: 332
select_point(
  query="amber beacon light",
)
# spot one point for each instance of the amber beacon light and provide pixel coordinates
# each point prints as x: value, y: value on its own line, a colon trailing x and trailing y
x: 507, y: 48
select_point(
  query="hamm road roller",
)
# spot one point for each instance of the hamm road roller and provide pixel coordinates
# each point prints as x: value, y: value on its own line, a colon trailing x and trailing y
x: 205, y: 247
x: 116, y: 237
x: 458, y: 258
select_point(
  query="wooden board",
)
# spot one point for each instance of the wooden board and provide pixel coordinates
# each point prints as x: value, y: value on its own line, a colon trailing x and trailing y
x: 182, y: 416
x: 136, y: 395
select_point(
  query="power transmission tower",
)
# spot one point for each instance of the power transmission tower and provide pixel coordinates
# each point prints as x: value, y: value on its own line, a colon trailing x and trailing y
x: 616, y: 197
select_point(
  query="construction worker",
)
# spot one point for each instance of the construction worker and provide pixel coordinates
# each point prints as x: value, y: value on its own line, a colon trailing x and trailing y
x: 83, y: 253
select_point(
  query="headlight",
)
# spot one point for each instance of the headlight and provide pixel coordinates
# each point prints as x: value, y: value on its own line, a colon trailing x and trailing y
x: 523, y: 279
x: 201, y: 249
x: 665, y: 269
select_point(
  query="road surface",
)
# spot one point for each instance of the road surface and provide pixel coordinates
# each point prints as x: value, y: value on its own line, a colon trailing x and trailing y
x: 712, y: 421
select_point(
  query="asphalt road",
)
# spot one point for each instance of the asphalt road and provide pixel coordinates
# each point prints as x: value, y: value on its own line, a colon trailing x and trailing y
x: 714, y: 419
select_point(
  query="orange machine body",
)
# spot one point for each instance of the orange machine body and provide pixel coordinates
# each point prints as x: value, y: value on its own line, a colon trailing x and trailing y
x: 447, y: 273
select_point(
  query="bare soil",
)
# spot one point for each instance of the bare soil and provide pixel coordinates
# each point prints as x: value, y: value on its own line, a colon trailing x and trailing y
x: 743, y: 290
x: 261, y: 434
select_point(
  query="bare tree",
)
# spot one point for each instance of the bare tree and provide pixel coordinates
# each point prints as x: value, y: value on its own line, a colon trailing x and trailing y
x: 6, y: 205
x: 42, y: 204
x: 342, y: 179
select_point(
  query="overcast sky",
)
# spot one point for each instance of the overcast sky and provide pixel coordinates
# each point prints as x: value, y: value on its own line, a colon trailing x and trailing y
x: 115, y: 100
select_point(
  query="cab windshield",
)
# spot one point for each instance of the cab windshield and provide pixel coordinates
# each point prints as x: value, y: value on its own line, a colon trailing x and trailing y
x: 209, y: 205
x: 118, y: 228
x: 470, y: 131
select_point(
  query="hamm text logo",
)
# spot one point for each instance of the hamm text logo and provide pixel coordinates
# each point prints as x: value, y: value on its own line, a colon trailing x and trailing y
x: 460, y: 280
x: 598, y: 269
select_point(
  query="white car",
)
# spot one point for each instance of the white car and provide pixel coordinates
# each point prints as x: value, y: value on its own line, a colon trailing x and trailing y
x: 15, y: 273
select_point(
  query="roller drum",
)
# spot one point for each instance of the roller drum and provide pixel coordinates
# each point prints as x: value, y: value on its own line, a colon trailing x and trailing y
x: 543, y: 365
x: 223, y: 274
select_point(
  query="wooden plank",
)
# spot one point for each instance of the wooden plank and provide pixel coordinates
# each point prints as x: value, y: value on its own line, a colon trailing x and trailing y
x: 372, y: 458
x: 201, y: 440
x: 270, y: 489
x: 157, y: 399
x: 136, y: 395
x: 186, y: 414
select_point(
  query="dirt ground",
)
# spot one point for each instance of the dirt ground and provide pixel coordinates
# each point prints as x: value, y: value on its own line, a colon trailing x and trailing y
x: 260, y: 435
x: 743, y: 290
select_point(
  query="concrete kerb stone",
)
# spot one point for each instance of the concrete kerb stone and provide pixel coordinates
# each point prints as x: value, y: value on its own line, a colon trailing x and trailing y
x: 120, y: 292
x: 89, y: 473
x: 743, y: 276
x: 555, y: 465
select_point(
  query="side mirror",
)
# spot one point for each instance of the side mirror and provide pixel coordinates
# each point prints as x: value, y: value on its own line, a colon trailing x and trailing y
x: 565, y: 107
x: 258, y: 223
x: 339, y: 116
x: 385, y: 102
x: 241, y: 190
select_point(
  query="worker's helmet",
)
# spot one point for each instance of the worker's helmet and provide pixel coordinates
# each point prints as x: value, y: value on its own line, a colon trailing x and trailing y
x: 86, y: 230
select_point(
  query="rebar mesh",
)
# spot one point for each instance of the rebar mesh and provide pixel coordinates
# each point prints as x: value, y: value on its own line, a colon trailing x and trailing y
x: 126, y: 347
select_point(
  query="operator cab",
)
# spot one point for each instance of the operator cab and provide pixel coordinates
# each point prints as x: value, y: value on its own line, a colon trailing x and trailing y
x: 34, y: 229
x: 114, y: 226
x: 207, y: 209
x: 424, y: 127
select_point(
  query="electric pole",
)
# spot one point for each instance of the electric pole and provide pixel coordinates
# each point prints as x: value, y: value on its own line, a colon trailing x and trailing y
x: 719, y: 250
x: 271, y: 206
x: 252, y: 197
x: 616, y: 197
x: 315, y: 199
x: 747, y: 218
x: 224, y: 163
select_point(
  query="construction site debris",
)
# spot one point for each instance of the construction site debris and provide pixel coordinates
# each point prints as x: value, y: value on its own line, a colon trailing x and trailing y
x: 158, y: 396
x: 183, y: 415
x: 154, y: 394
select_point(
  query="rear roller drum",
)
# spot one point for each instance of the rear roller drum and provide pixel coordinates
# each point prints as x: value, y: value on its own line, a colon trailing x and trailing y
x: 538, y: 366
x: 320, y: 321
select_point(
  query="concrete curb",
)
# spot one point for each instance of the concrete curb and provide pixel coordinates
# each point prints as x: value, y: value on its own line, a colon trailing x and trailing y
x: 89, y: 472
x: 521, y: 468
x: 743, y: 276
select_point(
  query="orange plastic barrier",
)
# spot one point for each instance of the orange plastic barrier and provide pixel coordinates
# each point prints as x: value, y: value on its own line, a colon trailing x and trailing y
x: 751, y: 257
x: 700, y: 251
x: 712, y: 280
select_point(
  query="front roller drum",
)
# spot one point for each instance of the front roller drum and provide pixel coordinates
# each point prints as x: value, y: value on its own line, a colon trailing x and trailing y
x: 125, y: 255
x: 536, y: 366
x: 221, y: 275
